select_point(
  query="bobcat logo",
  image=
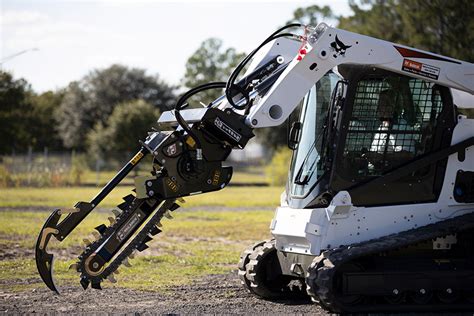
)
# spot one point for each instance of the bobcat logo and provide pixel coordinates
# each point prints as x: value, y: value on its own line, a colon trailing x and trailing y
x: 339, y: 48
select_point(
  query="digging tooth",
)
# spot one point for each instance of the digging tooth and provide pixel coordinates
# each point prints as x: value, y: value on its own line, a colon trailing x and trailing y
x: 96, y: 285
x: 111, y: 278
x: 134, y: 190
x: 159, y: 224
x: 128, y: 198
x: 101, y: 228
x: 111, y: 220
x: 181, y: 200
x: 155, y: 230
x: 168, y: 215
x: 142, y: 247
x: 117, y: 272
x: 73, y: 266
x: 96, y: 235
x: 123, y: 206
x: 174, y: 207
x: 86, y: 241
x: 84, y: 283
x: 126, y: 263
x: 147, y: 239
x: 132, y: 255
x: 116, y: 213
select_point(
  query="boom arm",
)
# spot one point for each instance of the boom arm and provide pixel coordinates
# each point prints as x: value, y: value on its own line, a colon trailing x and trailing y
x: 328, y: 47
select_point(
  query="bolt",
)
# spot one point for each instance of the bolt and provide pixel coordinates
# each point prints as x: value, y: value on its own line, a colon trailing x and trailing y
x: 150, y: 193
x: 163, y: 161
x: 95, y: 265
x: 395, y: 291
x: 155, y: 153
x: 449, y: 291
x: 254, y: 122
x: 209, y: 181
x: 149, y: 183
x: 423, y: 291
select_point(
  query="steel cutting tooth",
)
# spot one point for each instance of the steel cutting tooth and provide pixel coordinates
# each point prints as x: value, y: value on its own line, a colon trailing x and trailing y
x: 117, y: 272
x: 126, y: 263
x: 159, y: 224
x: 116, y: 213
x: 155, y: 230
x: 84, y: 283
x: 128, y: 198
x: 73, y: 266
x: 111, y: 278
x: 123, y: 206
x: 142, y: 247
x: 111, y: 220
x: 132, y: 255
x: 181, y: 200
x: 174, y: 207
x: 168, y: 215
x: 147, y: 239
x: 101, y: 228
x: 96, y: 285
x: 96, y: 235
x: 86, y: 241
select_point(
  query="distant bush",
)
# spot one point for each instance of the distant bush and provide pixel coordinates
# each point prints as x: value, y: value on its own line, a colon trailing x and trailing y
x: 277, y: 170
x: 45, y: 178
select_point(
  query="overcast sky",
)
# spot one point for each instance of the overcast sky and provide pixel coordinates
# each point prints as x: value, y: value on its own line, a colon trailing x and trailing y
x: 74, y: 37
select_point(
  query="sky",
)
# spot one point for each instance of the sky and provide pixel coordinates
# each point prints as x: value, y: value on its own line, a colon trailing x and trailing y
x: 66, y: 39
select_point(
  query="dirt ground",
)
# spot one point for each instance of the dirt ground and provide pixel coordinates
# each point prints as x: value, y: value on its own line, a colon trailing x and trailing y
x: 214, y: 294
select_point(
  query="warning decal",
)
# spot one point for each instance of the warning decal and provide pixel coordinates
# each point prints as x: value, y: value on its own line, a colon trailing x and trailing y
x: 420, y: 69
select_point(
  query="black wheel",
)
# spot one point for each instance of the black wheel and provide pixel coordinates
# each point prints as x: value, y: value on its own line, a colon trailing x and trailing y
x: 395, y: 298
x: 264, y: 274
x: 244, y: 259
x: 448, y: 296
x: 421, y: 297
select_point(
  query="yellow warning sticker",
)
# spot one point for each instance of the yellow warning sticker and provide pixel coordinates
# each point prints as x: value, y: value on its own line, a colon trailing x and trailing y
x: 191, y: 142
x: 136, y: 158
x: 216, y: 177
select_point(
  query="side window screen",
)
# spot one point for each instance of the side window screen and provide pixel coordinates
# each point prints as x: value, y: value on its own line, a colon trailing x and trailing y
x: 392, y: 122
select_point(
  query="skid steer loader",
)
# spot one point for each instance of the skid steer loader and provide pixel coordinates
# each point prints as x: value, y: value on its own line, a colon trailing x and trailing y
x: 378, y: 211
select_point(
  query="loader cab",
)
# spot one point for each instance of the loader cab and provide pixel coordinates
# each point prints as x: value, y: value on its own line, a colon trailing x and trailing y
x: 363, y: 123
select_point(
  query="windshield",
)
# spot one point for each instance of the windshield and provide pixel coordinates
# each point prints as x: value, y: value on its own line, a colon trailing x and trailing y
x: 305, y: 169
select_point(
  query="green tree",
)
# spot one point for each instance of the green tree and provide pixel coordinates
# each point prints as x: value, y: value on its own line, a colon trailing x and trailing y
x: 210, y: 62
x: 312, y: 15
x: 443, y: 27
x: 15, y: 113
x: 128, y: 123
x: 45, y: 107
x: 92, y: 99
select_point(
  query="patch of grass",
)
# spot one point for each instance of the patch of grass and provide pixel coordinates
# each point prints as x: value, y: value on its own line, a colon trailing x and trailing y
x: 192, y: 245
x: 67, y: 197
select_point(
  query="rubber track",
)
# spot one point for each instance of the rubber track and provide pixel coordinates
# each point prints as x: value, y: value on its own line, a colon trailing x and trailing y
x: 322, y: 271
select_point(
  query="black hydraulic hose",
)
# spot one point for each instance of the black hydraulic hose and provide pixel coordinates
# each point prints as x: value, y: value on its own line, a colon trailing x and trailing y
x: 231, y: 86
x: 181, y: 104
